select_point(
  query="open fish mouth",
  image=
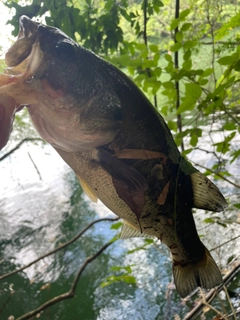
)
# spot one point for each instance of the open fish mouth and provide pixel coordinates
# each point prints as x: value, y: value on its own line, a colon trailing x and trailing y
x: 25, y: 55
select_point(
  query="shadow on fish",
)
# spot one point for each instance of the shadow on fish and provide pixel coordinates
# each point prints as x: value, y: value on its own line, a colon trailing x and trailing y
x: 118, y: 145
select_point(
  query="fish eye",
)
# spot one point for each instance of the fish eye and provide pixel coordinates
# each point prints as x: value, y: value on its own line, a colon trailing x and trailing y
x: 65, y: 50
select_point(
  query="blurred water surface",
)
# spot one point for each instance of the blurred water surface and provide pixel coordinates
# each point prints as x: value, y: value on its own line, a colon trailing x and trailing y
x: 42, y: 206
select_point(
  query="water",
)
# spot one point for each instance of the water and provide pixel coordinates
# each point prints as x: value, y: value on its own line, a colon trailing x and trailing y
x: 42, y: 206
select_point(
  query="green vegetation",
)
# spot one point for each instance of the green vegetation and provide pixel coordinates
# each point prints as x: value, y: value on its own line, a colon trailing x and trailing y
x: 188, y: 65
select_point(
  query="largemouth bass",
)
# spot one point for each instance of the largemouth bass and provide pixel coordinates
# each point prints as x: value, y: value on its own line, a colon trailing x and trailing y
x: 119, y: 146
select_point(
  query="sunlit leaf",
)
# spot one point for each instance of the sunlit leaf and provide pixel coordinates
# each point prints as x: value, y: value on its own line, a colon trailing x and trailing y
x: 184, y: 14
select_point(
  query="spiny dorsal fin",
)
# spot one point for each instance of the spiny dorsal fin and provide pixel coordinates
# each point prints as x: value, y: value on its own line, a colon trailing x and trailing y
x: 205, y: 194
x: 88, y: 190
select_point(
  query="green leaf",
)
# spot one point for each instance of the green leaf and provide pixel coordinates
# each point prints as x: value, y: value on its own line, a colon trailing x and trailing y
x: 187, y: 55
x: 224, y: 145
x: 203, y: 82
x: 148, y: 241
x: 237, y: 66
x: 194, y: 90
x: 176, y: 47
x: 227, y: 60
x: 184, y: 14
x: 209, y: 220
x: 116, y: 268
x: 154, y: 48
x: 168, y: 85
x: 229, y: 126
x: 192, y: 94
x: 187, y: 64
x: 194, y: 140
x: 179, y: 36
x: 168, y: 57
x: 228, y: 26
x: 190, y: 44
x: 116, y: 226
x: 129, y: 279
x: 207, y: 72
x: 174, y: 24
x: 186, y: 26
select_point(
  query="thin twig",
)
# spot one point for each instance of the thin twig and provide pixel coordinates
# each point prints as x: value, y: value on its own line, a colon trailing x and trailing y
x: 233, y: 117
x: 59, y: 248
x: 212, y: 293
x: 71, y: 292
x: 236, y: 313
x: 211, y: 307
x: 217, y: 174
x: 230, y: 240
x: 18, y: 146
x: 211, y: 152
x: 35, y: 166
x: 231, y: 43
x: 229, y: 301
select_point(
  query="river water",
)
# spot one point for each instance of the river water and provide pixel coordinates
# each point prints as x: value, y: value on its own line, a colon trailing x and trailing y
x: 43, y: 206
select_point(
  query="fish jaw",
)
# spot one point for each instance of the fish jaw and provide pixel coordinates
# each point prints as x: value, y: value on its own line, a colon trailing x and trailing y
x: 38, y: 77
x: 113, y: 139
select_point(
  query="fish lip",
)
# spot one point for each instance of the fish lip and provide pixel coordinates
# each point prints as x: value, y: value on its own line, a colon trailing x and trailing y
x: 25, y: 55
x: 27, y: 27
x: 22, y: 48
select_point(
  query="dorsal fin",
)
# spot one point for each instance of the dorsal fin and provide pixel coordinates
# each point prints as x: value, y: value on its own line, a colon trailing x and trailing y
x: 205, y: 194
x: 88, y: 190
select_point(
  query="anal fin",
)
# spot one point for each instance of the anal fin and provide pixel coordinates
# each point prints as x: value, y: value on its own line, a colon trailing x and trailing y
x: 128, y: 231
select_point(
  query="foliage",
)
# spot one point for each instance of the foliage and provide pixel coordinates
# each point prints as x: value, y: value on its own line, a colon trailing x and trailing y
x: 188, y: 66
x: 145, y: 40
x: 124, y: 274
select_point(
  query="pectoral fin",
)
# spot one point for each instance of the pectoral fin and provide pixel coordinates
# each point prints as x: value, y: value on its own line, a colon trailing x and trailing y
x: 88, y: 190
x: 128, y: 182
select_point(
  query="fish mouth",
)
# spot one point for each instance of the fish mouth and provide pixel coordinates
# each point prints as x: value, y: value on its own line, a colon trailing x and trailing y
x: 25, y: 56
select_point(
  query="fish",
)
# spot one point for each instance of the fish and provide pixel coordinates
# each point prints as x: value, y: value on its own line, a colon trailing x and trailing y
x: 7, y: 112
x: 116, y: 142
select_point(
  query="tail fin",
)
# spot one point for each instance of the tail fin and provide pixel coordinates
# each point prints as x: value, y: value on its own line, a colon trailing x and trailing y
x: 203, y: 274
x: 205, y: 194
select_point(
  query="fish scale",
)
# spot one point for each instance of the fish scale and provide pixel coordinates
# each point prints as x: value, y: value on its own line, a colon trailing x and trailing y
x: 116, y: 142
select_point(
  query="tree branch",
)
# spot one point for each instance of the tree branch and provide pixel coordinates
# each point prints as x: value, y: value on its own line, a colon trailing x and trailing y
x: 18, y: 146
x: 71, y: 292
x: 35, y: 166
x: 212, y: 293
x: 59, y: 248
x: 223, y: 244
x: 176, y: 65
x: 217, y: 174
x: 221, y: 42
